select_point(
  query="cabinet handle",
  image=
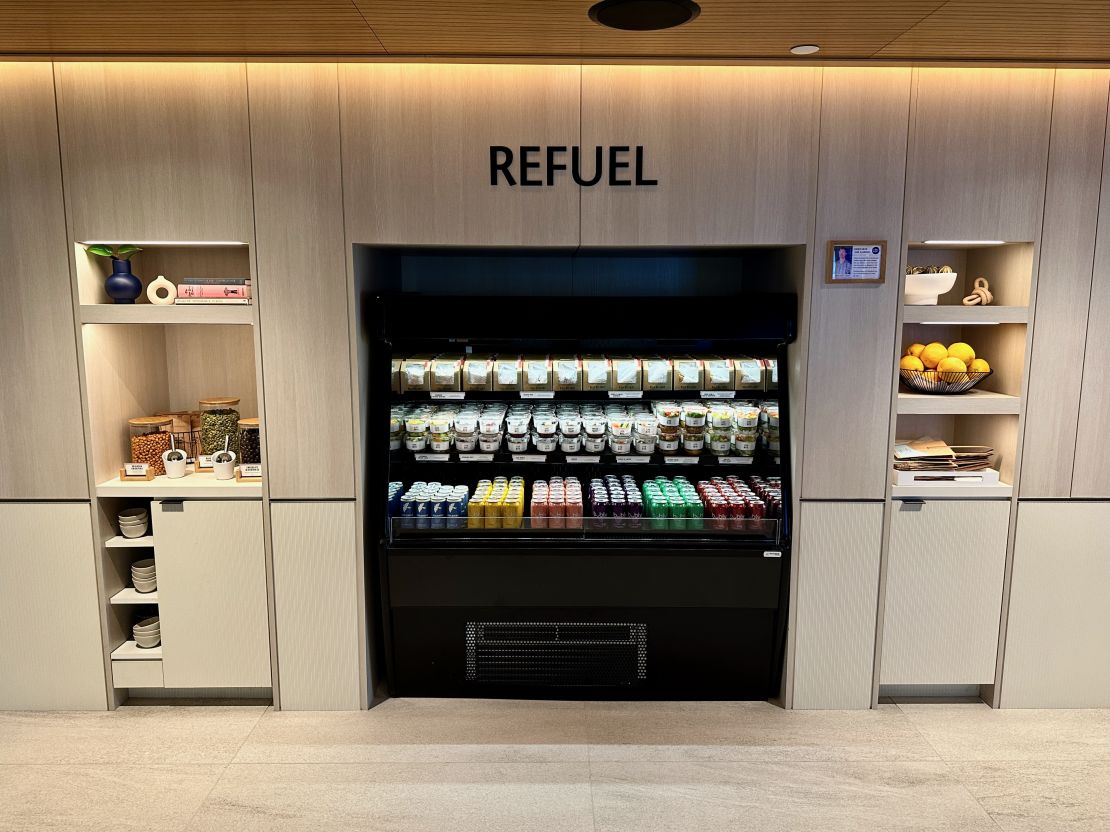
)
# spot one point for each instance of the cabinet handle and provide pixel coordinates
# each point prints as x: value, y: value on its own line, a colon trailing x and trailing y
x: 173, y: 505
x: 912, y: 505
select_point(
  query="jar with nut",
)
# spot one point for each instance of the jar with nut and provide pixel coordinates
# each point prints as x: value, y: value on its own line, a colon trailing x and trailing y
x: 219, y: 421
x: 150, y: 438
x: 250, y: 445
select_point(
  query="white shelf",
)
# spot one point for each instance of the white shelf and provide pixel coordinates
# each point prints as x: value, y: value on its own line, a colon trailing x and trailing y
x: 120, y: 542
x: 130, y: 651
x: 192, y: 485
x: 148, y: 313
x: 961, y: 315
x: 952, y: 491
x: 130, y: 595
x: 972, y: 402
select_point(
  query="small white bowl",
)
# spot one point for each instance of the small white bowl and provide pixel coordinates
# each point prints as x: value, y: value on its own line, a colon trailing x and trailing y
x: 144, y: 574
x: 926, y: 289
x: 145, y: 563
x: 133, y: 531
x: 138, y: 511
x: 145, y: 587
x: 147, y: 642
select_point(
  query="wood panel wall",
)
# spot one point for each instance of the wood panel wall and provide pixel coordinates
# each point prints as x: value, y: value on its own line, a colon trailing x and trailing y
x: 416, y: 141
x: 156, y: 151
x: 42, y: 444
x: 1071, y: 216
x: 298, y: 190
x: 978, y: 154
x: 733, y: 149
x: 861, y: 173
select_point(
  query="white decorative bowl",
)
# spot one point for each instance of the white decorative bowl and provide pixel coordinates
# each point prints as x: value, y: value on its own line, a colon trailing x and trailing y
x: 926, y: 289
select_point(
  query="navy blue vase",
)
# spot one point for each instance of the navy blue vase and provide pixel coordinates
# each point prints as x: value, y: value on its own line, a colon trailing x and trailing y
x: 121, y: 285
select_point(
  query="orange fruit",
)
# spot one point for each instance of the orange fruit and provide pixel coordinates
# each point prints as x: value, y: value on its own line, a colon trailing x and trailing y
x: 962, y: 351
x: 915, y: 350
x: 979, y: 365
x: 910, y: 362
x: 952, y: 370
x: 933, y: 354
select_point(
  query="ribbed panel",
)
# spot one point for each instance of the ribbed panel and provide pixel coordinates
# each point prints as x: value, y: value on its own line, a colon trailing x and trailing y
x: 1058, y: 628
x: 837, y: 553
x: 944, y: 592
x: 316, y: 594
x: 50, y: 652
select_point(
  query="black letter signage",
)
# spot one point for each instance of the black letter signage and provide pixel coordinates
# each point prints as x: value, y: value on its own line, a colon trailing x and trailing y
x: 538, y: 166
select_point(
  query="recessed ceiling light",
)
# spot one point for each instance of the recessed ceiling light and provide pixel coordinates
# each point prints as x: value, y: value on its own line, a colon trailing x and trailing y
x: 644, y: 15
x: 805, y: 49
x: 955, y: 243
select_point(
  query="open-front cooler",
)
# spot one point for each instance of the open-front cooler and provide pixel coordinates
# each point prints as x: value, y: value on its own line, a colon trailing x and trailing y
x: 581, y: 497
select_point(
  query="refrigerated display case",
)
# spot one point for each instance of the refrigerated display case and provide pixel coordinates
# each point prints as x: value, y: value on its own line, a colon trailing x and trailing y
x: 553, y: 518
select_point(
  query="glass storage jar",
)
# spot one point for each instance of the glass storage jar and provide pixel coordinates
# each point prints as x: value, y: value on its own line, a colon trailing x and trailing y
x: 150, y: 438
x: 219, y: 421
x: 250, y: 442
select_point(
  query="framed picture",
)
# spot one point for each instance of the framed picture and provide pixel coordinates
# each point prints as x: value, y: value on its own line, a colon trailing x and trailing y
x: 856, y: 261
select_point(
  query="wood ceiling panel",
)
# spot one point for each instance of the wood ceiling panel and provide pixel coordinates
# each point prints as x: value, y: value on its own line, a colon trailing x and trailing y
x: 725, y: 28
x: 1049, y: 30
x: 184, y: 27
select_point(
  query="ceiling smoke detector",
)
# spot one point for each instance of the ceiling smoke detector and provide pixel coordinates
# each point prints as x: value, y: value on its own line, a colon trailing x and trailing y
x: 644, y: 15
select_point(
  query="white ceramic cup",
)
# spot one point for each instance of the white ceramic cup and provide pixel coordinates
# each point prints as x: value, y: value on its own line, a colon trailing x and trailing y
x: 224, y: 470
x: 175, y: 468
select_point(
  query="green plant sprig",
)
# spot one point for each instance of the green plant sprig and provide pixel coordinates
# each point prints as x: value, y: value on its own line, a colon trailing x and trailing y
x: 116, y: 253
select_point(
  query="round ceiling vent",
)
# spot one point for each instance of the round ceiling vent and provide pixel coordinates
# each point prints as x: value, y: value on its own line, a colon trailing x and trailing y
x: 644, y: 15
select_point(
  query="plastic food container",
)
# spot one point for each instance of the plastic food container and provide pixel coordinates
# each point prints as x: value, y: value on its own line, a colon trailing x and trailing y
x: 720, y: 443
x: 416, y: 424
x: 620, y: 444
x: 545, y: 444
x: 668, y: 414
x: 570, y: 444
x: 570, y: 425
x: 647, y: 424
x: 517, y: 442
x: 517, y: 424
x: 490, y: 424
x: 440, y: 442
x: 643, y: 443
x: 416, y: 441
x: 668, y: 446
x: 693, y: 445
x: 594, y: 444
x: 620, y: 427
x: 489, y: 442
x: 693, y: 416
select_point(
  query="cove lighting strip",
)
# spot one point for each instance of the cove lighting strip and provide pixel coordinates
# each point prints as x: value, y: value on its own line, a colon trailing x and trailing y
x: 961, y: 323
x: 965, y: 242
x: 163, y: 243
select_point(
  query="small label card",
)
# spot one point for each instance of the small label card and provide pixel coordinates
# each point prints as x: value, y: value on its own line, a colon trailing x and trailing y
x: 134, y: 469
x: 626, y: 394
x: 537, y: 394
x: 736, y: 460
x: 475, y: 457
x: 584, y: 460
x: 448, y: 394
x: 718, y: 394
x: 250, y: 469
x: 680, y: 460
x: 204, y: 462
x: 634, y: 460
x: 529, y: 457
x: 431, y: 457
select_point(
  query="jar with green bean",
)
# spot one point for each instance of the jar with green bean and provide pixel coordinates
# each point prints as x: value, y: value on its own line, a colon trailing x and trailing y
x: 219, y: 422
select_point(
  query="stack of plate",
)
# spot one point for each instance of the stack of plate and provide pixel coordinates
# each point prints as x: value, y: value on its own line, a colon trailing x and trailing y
x: 148, y: 632
x: 133, y: 522
x: 143, y: 575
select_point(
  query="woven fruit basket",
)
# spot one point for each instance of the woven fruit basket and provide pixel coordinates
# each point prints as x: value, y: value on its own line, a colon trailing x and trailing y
x: 942, y: 383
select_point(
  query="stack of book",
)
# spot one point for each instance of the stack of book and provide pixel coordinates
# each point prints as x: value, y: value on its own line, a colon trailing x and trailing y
x: 214, y: 290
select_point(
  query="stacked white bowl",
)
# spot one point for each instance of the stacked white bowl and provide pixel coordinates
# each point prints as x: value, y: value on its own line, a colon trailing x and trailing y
x: 143, y: 575
x: 133, y: 522
x: 148, y: 632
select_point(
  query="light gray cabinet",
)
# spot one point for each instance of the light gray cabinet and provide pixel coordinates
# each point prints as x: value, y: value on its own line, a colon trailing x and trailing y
x: 945, y: 572
x: 212, y: 593
x: 1058, y: 627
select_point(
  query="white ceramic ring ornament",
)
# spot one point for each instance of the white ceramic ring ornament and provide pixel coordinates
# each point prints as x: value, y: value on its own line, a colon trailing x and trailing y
x: 224, y: 470
x: 175, y: 468
x: 161, y: 292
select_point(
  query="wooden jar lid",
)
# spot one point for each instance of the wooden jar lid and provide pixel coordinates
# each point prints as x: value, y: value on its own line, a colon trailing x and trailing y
x: 251, y: 422
x: 150, y: 421
x: 219, y: 401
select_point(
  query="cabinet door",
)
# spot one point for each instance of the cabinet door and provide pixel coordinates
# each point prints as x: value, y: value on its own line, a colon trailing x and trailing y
x: 944, y: 592
x: 50, y: 650
x: 838, y: 588
x: 212, y: 593
x: 1058, y: 626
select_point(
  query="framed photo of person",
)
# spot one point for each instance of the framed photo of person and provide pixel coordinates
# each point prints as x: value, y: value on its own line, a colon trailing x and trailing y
x: 856, y: 261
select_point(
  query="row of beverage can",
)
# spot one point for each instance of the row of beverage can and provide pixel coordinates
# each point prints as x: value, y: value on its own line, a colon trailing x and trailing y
x: 497, y: 504
x: 433, y: 505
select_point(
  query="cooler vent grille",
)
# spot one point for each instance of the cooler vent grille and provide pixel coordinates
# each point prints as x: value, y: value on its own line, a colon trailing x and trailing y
x: 556, y: 653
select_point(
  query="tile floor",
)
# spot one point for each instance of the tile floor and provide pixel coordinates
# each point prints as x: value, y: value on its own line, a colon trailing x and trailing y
x: 461, y: 765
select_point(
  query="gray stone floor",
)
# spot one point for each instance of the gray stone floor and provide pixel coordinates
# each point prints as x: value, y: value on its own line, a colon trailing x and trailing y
x: 460, y: 765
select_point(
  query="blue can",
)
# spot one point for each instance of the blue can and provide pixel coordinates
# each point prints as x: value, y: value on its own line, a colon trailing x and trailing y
x: 456, y: 512
x: 408, y: 511
x: 437, y: 511
x: 423, y: 512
